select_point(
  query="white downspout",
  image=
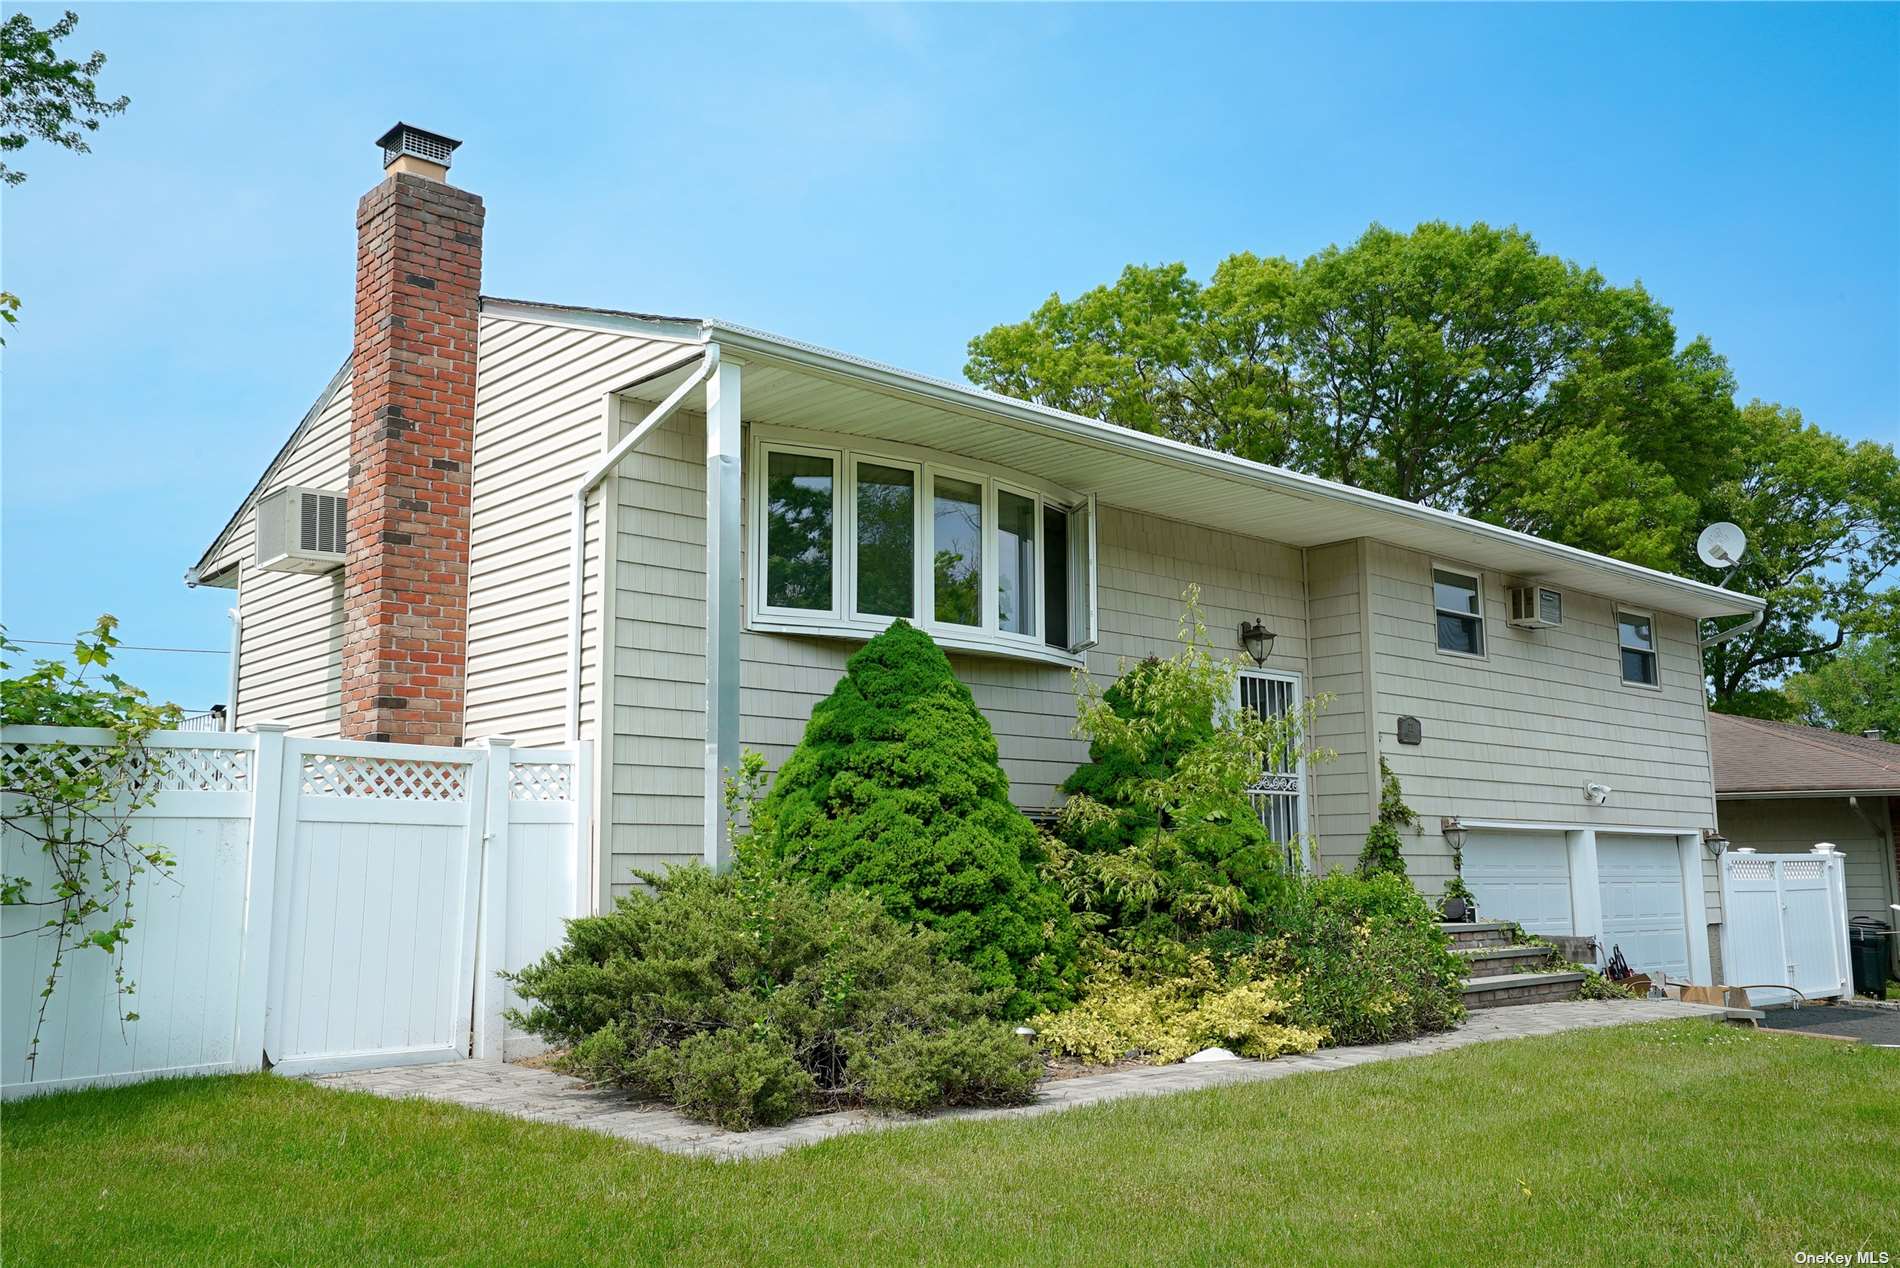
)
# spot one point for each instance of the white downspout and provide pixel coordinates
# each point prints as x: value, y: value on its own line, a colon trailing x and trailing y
x: 236, y: 614
x: 577, y: 548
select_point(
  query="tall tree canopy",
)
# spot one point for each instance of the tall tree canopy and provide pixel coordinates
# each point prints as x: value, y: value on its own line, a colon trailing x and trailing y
x: 45, y: 95
x: 1465, y: 368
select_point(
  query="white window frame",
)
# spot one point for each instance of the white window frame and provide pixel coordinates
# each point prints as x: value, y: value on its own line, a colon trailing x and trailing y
x: 1617, y: 613
x: 1304, y: 829
x: 1477, y: 579
x: 843, y: 620
x: 919, y: 583
x: 760, y: 482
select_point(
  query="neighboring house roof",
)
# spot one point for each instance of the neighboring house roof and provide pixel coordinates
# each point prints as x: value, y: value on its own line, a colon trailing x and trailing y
x: 196, y: 572
x: 1754, y: 758
x: 1317, y: 511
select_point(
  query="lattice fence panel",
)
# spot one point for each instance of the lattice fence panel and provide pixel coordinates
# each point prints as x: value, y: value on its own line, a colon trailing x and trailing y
x: 396, y: 779
x: 541, y: 781
x: 153, y: 770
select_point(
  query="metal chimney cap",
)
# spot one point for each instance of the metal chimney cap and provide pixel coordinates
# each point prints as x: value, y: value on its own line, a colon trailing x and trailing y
x: 406, y: 138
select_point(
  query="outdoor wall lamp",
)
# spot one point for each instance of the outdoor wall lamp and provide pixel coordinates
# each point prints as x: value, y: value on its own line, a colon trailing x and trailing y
x: 1454, y: 832
x: 1258, y: 640
x: 1716, y: 843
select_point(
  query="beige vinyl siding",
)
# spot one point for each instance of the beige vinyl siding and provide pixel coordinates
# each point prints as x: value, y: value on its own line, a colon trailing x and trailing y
x: 291, y: 648
x: 1345, y: 786
x: 658, y: 751
x: 538, y: 425
x: 659, y: 746
x: 1516, y: 734
x: 1145, y: 565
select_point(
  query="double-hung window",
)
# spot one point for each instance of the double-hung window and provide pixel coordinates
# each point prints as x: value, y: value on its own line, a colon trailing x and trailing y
x: 1636, y: 644
x: 848, y: 540
x: 1458, y: 603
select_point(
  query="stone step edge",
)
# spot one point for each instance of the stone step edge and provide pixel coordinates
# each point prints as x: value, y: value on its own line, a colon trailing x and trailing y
x: 1510, y: 981
x: 1475, y: 926
x: 1473, y: 954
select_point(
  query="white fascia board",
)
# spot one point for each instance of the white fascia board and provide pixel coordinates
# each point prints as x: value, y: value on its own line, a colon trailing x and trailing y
x: 1380, y: 509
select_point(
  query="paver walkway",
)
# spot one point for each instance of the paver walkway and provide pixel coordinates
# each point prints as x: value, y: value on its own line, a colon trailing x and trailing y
x: 547, y: 1097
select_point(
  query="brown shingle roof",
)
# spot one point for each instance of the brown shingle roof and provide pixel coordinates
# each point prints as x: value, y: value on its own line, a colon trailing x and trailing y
x: 1753, y: 756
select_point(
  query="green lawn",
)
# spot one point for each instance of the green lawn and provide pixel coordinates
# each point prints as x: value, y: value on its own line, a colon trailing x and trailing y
x: 1682, y: 1142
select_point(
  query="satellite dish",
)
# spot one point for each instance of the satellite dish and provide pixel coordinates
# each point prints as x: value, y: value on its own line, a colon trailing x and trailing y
x: 1721, y: 544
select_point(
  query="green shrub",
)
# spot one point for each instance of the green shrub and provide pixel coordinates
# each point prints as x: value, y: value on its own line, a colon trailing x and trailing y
x: 1158, y: 839
x: 1149, y: 1009
x: 896, y: 790
x: 1384, y: 850
x: 747, y: 998
x: 1371, y: 962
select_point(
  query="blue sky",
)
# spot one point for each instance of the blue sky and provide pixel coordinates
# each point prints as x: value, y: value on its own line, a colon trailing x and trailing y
x: 884, y: 180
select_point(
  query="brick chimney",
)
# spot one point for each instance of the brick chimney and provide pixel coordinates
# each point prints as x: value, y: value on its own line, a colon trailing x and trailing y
x: 412, y: 431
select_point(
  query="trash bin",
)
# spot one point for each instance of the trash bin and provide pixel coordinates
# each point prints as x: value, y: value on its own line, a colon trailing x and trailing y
x: 1867, y: 941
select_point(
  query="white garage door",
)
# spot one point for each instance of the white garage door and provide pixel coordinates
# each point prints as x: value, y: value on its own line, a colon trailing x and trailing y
x: 1521, y: 876
x: 1641, y: 879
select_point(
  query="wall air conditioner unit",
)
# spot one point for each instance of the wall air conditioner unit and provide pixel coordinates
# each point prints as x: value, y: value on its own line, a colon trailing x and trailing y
x: 1536, y: 607
x: 302, y: 530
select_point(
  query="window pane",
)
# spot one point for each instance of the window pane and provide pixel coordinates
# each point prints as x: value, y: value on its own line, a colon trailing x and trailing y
x: 1453, y: 593
x: 957, y: 520
x: 1639, y: 667
x: 1460, y: 634
x: 887, y: 539
x: 1055, y: 588
x: 1016, y: 562
x: 798, y: 498
x: 1634, y: 631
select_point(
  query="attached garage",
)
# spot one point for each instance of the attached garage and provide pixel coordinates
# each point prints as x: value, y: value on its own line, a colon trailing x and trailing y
x: 1522, y: 876
x: 1644, y: 910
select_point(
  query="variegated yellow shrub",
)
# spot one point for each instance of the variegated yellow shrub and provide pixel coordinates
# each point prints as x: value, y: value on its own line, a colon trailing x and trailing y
x: 1131, y: 1010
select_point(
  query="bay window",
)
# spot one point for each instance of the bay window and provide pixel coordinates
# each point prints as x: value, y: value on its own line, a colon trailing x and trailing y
x: 848, y: 540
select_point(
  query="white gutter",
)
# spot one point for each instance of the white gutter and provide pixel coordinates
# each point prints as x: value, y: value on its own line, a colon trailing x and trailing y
x: 1075, y: 427
x: 708, y: 358
x: 1752, y: 623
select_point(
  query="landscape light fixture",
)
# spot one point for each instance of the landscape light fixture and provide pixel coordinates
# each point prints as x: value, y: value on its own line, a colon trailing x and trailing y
x: 1258, y: 640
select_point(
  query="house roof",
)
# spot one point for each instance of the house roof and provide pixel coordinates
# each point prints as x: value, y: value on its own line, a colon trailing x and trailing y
x: 196, y: 573
x: 795, y: 383
x: 1755, y: 758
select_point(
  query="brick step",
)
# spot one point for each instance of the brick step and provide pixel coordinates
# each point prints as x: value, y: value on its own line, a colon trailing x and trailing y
x: 1521, y: 988
x: 1481, y: 933
x: 1491, y: 961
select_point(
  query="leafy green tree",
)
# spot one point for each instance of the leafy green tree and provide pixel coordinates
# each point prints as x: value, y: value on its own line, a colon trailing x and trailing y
x: 44, y: 95
x: 1823, y: 522
x: 1857, y: 691
x: 1405, y: 363
x: 1465, y: 368
x: 895, y: 789
x: 1158, y: 838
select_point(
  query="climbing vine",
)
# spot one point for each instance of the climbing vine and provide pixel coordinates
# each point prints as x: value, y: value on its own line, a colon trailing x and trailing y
x: 75, y: 803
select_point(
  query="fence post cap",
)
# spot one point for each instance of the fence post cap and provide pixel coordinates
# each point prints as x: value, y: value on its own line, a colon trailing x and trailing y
x: 492, y: 741
x: 266, y: 728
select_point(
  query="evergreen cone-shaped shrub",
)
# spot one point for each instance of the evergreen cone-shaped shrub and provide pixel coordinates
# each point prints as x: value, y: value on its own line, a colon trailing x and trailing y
x: 896, y: 790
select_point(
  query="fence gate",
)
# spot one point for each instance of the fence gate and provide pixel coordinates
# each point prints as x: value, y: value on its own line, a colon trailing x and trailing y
x: 1785, y: 924
x: 373, y: 955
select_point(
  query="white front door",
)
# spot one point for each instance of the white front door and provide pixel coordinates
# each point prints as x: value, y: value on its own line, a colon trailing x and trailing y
x: 1520, y: 875
x: 1640, y: 878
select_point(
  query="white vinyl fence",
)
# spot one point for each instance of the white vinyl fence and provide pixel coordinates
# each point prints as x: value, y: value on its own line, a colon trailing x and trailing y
x: 1786, y: 925
x: 334, y: 905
